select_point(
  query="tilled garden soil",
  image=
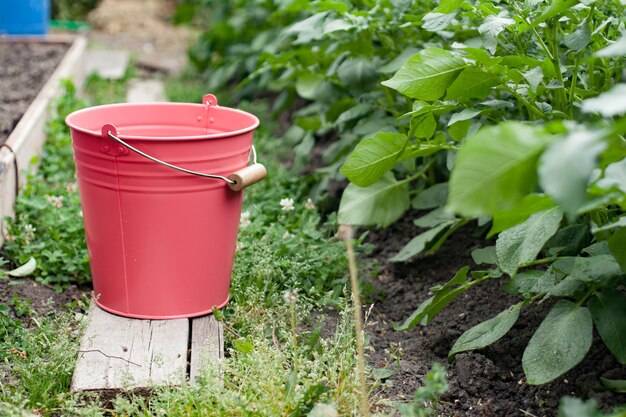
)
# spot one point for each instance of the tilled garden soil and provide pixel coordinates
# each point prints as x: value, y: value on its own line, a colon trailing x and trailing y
x: 488, y: 382
x: 40, y: 298
x: 24, y: 69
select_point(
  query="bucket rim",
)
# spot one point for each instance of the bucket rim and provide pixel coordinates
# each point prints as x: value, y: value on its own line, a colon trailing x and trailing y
x: 72, y: 124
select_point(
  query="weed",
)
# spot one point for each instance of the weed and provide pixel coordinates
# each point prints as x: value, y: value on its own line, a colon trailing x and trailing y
x: 37, y: 360
x: 269, y: 369
x: 427, y: 396
x: 48, y: 225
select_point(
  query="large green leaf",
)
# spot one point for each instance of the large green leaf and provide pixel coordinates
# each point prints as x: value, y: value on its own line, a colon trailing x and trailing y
x: 463, y: 115
x: 427, y: 74
x: 491, y: 28
x: 423, y: 126
x: 556, y: 7
x: 431, y: 197
x: 434, y: 21
x: 494, y: 169
x: 308, y: 85
x: 617, y: 246
x: 579, y: 39
x: 560, y: 343
x: 521, y: 244
x: 356, y: 72
x: 372, y: 157
x: 615, y: 176
x: 608, y: 310
x: 487, y: 332
x: 528, y: 283
x: 565, y: 169
x: 575, y: 407
x: 419, y: 242
x: 379, y: 204
x: 311, y: 28
x: 615, y: 50
x: 527, y: 206
x: 608, y: 104
x: 472, y: 83
x: 434, y: 218
x: 598, y: 270
x: 485, y: 256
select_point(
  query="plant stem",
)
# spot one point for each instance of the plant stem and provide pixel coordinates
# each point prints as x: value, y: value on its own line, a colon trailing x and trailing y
x: 419, y: 173
x: 541, y: 261
x: 533, y: 29
x: 588, y: 294
x: 556, y: 63
x: 533, y: 299
x: 346, y: 233
x: 445, y: 236
x: 531, y: 107
x: 572, y: 88
x: 294, y: 332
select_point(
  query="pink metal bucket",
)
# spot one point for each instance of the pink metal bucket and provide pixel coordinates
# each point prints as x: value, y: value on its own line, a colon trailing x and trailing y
x: 162, y: 241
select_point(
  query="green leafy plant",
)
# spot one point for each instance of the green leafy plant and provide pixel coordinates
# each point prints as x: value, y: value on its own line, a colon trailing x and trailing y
x: 48, y: 226
x: 72, y: 10
x: 579, y: 243
x: 236, y: 34
x: 499, y: 68
x: 427, y: 396
x: 575, y: 407
x: 550, y: 187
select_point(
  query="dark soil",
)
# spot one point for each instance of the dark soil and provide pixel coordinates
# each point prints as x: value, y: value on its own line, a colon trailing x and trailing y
x: 40, y: 298
x: 488, y: 382
x: 24, y: 69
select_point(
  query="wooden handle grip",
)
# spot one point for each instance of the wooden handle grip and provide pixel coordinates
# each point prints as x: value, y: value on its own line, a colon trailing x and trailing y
x: 247, y: 176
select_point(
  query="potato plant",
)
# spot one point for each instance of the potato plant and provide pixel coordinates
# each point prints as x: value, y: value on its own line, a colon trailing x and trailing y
x: 522, y: 109
x: 502, y: 111
x: 506, y: 112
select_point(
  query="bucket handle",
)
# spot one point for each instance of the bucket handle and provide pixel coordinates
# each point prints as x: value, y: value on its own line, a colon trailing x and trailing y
x: 237, y: 181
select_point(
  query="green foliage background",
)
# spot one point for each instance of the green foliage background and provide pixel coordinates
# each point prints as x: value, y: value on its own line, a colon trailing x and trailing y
x: 501, y: 112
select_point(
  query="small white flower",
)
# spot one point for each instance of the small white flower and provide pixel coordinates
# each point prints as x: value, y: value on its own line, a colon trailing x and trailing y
x: 71, y: 187
x: 309, y: 205
x: 10, y: 238
x: 29, y: 233
x: 286, y: 235
x: 286, y: 204
x: 291, y: 296
x: 244, y: 220
x: 55, y: 200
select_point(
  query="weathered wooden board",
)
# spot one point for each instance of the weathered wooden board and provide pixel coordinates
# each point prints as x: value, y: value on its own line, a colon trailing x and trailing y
x: 207, y: 345
x: 119, y: 353
x: 123, y: 353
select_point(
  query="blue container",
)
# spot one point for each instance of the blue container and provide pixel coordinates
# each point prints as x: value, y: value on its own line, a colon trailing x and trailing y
x: 24, y: 17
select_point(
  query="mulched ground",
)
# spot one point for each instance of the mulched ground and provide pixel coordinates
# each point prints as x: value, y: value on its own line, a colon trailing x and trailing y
x: 489, y: 382
x: 24, y: 69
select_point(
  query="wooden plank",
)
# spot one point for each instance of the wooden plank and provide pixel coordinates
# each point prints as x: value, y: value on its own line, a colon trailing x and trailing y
x: 207, y: 345
x: 123, y: 353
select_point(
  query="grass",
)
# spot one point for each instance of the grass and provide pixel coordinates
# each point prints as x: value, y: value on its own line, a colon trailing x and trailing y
x: 288, y: 268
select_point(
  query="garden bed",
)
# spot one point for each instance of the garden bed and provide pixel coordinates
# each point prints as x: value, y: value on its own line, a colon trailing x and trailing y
x: 487, y: 382
x: 30, y: 73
